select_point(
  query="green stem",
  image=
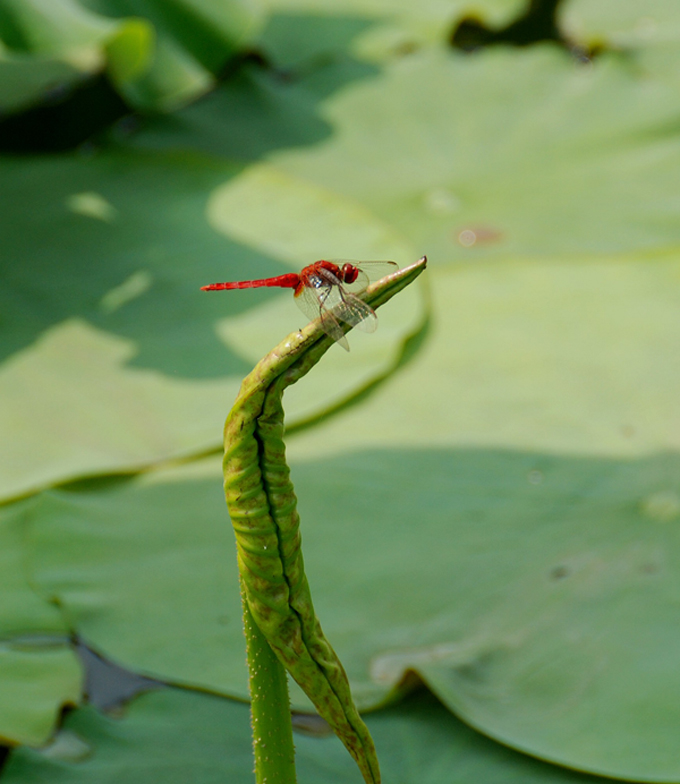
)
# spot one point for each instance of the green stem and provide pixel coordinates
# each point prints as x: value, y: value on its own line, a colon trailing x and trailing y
x: 269, y: 707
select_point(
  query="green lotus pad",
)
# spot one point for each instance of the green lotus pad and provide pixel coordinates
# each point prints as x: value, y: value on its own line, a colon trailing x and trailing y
x: 174, y: 737
x: 146, y: 572
x: 39, y: 671
x: 505, y: 153
x: 37, y: 679
x: 534, y: 593
x: 113, y: 357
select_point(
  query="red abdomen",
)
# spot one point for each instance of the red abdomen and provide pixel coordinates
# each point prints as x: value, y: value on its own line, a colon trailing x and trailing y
x: 288, y: 281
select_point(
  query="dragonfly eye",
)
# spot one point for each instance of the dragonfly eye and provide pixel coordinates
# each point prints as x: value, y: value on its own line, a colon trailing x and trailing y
x: 349, y: 273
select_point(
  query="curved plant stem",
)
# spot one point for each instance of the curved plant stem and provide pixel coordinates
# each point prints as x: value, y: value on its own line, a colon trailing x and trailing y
x: 263, y: 510
x: 269, y: 707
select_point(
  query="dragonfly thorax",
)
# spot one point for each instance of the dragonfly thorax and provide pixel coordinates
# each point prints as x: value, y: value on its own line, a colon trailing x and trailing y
x: 347, y: 273
x: 316, y: 282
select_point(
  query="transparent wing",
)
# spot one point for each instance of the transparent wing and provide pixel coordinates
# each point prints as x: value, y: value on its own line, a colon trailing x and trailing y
x: 333, y: 329
x: 325, y: 297
x: 345, y: 306
x: 377, y: 269
x: 359, y: 285
x: 356, y: 313
x: 309, y: 302
x: 313, y: 302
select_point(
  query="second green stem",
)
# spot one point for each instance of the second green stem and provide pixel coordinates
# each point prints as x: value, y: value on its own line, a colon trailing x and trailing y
x: 270, y: 708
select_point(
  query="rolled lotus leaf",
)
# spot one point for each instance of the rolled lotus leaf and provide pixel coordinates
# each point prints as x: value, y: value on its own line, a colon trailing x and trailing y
x: 263, y: 510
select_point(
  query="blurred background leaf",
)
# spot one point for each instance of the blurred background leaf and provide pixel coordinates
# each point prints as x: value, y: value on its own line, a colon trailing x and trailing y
x: 159, y: 55
x: 39, y: 671
x: 646, y: 39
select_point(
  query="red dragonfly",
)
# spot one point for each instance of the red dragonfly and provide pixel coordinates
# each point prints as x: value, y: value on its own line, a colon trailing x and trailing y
x: 327, y: 290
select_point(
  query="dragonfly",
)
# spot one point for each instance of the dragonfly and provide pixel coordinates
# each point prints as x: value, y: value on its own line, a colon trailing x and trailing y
x: 327, y: 290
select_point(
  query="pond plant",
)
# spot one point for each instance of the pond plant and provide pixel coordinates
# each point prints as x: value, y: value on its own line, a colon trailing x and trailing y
x: 281, y: 628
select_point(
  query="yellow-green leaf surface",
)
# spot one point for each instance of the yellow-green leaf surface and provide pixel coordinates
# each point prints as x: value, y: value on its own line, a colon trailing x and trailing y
x: 571, y: 357
x: 113, y: 357
x: 620, y: 25
x: 194, y: 40
x: 171, y: 737
x: 646, y: 38
x: 499, y: 153
x: 506, y: 528
x: 39, y: 671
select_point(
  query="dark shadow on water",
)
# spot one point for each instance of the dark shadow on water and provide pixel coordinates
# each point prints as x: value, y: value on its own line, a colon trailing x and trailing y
x: 107, y: 686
